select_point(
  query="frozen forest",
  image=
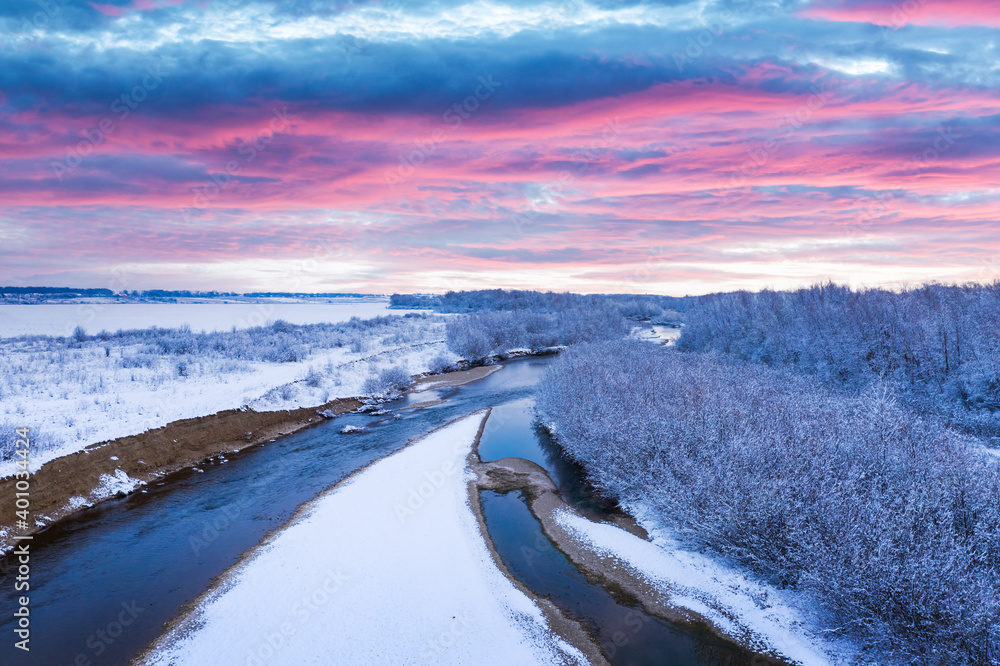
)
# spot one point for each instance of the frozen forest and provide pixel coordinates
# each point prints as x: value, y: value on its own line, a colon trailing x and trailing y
x: 496, y: 320
x: 853, y: 469
x: 837, y: 442
x: 937, y: 348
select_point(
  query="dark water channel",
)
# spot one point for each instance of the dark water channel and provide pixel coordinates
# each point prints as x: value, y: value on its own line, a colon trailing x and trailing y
x: 627, y: 635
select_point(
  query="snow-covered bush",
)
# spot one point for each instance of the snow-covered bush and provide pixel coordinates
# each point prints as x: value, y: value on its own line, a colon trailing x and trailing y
x: 937, y: 346
x: 388, y: 382
x: 641, y: 306
x: 483, y: 334
x: 891, y: 522
x: 640, y: 309
x: 312, y: 378
x: 112, y: 383
x: 39, y: 441
x: 439, y: 364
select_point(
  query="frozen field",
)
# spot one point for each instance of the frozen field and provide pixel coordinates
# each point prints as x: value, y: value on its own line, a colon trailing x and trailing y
x: 79, y: 393
x: 61, y: 319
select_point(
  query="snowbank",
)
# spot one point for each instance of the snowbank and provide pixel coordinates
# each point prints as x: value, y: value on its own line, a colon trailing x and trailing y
x: 112, y: 484
x: 761, y: 617
x: 389, y: 568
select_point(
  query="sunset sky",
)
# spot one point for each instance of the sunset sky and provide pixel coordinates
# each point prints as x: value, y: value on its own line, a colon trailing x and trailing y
x: 424, y: 145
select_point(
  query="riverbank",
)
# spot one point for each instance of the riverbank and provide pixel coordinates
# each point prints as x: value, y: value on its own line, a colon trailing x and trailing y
x: 66, y: 485
x: 79, y: 391
x: 680, y: 587
x: 71, y: 483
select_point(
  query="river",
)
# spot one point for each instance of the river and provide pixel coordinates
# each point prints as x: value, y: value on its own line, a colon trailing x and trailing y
x: 104, y: 583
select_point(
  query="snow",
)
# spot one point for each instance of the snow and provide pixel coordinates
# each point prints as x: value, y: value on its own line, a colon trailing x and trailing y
x: 80, y: 397
x: 110, y: 485
x: 77, y: 502
x: 762, y: 617
x: 61, y: 319
x: 350, y: 429
x: 388, y: 568
x: 662, y: 335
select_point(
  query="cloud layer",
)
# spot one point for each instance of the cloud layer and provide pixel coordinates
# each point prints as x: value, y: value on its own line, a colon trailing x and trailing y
x: 596, y: 146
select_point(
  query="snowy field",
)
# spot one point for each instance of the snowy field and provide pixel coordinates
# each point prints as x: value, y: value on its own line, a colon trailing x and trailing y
x: 96, y: 316
x: 371, y: 576
x: 76, y: 393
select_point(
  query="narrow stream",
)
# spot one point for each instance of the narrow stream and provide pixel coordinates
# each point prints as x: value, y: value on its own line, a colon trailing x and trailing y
x: 512, y: 432
x: 104, y: 583
x: 627, y: 635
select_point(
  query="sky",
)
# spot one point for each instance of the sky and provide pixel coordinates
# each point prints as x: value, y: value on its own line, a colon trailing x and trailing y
x: 424, y: 145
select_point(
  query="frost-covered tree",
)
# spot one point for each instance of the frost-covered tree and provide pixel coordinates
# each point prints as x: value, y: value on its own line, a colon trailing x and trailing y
x: 488, y: 333
x: 937, y: 346
x: 889, y: 520
x: 388, y: 382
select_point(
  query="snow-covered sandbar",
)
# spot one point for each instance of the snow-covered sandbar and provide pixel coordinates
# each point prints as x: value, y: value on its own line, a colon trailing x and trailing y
x: 389, y: 567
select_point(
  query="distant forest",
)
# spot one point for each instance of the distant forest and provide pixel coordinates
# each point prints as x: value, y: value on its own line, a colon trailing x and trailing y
x: 71, y: 292
x: 829, y: 439
x: 54, y: 292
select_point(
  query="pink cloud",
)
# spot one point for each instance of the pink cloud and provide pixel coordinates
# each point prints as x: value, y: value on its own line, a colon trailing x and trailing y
x: 895, y: 14
x: 108, y: 10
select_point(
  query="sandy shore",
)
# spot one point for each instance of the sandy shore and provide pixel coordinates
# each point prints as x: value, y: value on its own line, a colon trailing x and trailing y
x: 457, y: 378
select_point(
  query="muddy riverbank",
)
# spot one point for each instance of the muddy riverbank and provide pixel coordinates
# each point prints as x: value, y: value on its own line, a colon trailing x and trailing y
x: 108, y: 469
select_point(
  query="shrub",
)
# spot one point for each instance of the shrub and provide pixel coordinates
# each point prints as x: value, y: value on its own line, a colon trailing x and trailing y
x: 312, y: 378
x: 484, y: 334
x: 438, y: 364
x: 890, y: 521
x: 40, y: 441
x: 388, y: 382
x: 937, y: 347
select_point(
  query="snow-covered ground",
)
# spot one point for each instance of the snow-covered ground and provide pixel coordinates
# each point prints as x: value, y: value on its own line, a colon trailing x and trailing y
x: 759, y: 616
x: 105, y: 315
x: 388, y: 568
x: 76, y: 395
x: 662, y: 335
